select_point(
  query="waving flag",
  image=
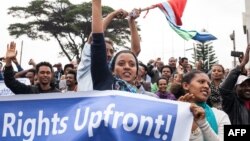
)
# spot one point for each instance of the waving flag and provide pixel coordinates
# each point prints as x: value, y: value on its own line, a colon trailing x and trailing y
x: 173, y: 10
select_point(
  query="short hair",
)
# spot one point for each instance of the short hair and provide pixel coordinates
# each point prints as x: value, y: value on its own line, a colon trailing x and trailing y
x: 31, y: 70
x: 109, y: 41
x: 71, y: 71
x: 177, y: 90
x: 172, y: 58
x: 143, y: 65
x: 68, y: 66
x: 167, y: 66
x: 157, y: 82
x: 47, y: 64
x: 183, y: 58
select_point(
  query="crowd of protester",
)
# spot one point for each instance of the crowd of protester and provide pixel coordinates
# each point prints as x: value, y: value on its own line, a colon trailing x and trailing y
x: 218, y: 96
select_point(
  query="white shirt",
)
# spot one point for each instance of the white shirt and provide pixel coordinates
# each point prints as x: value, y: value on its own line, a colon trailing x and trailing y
x: 206, y: 133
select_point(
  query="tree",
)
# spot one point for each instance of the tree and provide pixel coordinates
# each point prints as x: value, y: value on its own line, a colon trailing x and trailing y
x: 204, y: 52
x: 69, y: 24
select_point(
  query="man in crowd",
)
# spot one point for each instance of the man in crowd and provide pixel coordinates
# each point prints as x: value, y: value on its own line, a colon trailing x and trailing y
x: 184, y: 63
x: 71, y: 81
x: 154, y: 69
x: 172, y: 63
x: 235, y: 92
x: 44, y: 72
x: 58, y: 73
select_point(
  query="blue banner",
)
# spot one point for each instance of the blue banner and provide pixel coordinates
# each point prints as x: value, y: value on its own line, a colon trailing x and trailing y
x: 90, y: 116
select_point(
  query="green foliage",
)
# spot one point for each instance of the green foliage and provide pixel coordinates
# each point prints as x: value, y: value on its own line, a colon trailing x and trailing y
x: 205, y: 53
x: 69, y: 24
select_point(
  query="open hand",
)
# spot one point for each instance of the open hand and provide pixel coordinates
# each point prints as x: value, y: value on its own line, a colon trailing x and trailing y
x: 11, y: 51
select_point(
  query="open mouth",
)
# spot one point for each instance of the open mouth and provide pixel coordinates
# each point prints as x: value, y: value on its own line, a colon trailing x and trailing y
x: 205, y: 93
x: 127, y: 74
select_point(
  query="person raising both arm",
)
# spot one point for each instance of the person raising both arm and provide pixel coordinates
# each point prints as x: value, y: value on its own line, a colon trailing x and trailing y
x: 44, y: 72
x: 124, y: 65
x: 84, y: 77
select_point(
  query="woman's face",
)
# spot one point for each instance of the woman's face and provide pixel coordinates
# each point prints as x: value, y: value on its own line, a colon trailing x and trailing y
x: 125, y: 67
x: 199, y: 87
x: 162, y: 85
x: 217, y: 73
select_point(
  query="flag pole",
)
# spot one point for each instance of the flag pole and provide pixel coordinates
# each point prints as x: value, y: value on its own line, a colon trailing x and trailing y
x: 21, y: 53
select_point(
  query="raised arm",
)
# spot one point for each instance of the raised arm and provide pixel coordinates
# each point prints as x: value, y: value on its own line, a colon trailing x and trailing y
x: 32, y: 63
x: 97, y: 16
x: 133, y: 15
x: 23, y: 72
x: 135, y: 38
x: 98, y: 51
x: 10, y: 54
x: 84, y: 77
x: 229, y: 82
x: 245, y: 58
x: 9, y: 80
x: 119, y: 14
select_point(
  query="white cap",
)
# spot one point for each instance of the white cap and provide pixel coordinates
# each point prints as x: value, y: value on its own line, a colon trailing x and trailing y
x: 241, y: 79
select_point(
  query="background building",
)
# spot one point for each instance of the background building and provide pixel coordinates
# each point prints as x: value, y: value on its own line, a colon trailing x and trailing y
x: 246, y: 23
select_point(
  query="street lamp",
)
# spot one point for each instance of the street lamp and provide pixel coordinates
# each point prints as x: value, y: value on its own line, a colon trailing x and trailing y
x: 232, y: 37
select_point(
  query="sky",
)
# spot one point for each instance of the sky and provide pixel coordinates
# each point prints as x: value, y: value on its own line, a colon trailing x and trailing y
x: 219, y: 17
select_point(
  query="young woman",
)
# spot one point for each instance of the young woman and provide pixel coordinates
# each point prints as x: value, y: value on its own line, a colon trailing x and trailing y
x: 197, y: 88
x: 123, y: 66
x: 217, y: 75
x: 162, y: 92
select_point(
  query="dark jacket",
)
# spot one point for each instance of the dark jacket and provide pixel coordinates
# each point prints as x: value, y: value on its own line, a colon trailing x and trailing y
x: 154, y: 74
x: 101, y: 75
x: 19, y: 88
x: 231, y: 103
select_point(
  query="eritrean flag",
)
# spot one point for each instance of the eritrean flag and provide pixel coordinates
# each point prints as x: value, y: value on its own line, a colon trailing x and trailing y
x: 173, y: 10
